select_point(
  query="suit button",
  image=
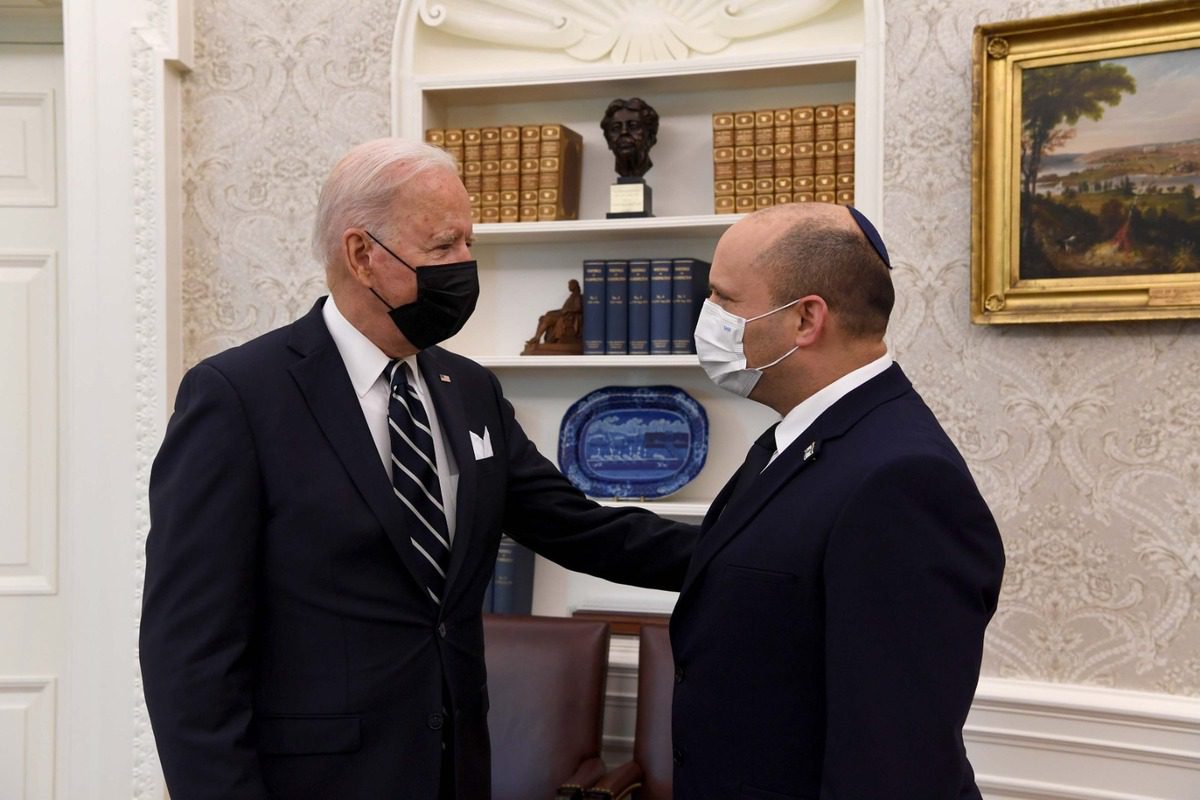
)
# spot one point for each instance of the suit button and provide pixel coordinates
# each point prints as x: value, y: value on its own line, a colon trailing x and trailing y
x: 677, y: 756
x: 441, y: 629
x: 679, y: 674
x: 435, y: 722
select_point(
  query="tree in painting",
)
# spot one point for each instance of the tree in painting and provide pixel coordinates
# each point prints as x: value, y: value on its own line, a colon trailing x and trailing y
x: 1050, y: 97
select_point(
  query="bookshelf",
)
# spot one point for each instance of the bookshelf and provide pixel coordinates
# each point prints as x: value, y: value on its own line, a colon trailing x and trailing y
x: 439, y: 81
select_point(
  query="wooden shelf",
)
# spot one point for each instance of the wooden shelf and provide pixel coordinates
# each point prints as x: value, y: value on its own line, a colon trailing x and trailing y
x: 703, y: 226
x: 609, y: 362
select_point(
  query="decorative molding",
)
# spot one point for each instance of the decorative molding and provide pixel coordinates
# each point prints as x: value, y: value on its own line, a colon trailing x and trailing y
x: 1042, y: 741
x: 994, y: 788
x: 151, y: 45
x: 27, y: 731
x: 624, y: 31
x: 29, y: 565
x: 27, y: 141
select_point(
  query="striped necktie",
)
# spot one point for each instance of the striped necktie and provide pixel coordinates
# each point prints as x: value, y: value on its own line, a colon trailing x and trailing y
x: 415, y: 479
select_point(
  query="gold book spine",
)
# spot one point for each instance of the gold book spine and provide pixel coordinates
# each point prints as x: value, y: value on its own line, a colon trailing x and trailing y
x: 845, y: 111
x: 803, y: 115
x: 435, y: 137
x: 845, y: 197
x: 825, y: 113
x: 558, y: 175
x: 802, y: 197
x: 826, y: 197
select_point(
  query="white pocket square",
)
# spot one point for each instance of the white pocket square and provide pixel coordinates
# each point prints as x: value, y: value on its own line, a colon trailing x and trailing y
x: 481, y: 444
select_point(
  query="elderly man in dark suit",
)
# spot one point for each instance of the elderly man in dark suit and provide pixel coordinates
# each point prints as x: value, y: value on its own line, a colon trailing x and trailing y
x: 829, y: 632
x: 325, y: 514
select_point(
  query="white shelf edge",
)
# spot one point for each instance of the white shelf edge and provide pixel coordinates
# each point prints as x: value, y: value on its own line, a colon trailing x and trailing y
x: 540, y: 362
x: 600, y: 229
x: 668, y: 508
x: 593, y: 74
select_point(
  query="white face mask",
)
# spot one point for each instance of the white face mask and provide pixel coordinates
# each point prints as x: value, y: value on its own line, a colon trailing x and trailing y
x: 719, y: 337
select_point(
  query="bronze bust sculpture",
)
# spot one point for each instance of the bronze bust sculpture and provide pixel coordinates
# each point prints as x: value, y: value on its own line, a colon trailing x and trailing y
x: 631, y: 129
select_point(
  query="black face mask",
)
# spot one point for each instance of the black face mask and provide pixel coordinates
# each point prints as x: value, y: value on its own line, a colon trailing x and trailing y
x: 446, y: 296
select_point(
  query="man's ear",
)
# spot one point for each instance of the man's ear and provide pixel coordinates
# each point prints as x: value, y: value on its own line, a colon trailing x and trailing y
x: 811, y: 315
x: 356, y: 249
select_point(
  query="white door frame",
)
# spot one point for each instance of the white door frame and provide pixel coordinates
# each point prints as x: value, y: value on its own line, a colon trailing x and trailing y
x: 122, y: 62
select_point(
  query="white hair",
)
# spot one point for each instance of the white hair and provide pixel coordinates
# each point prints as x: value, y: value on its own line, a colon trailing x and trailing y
x: 362, y: 187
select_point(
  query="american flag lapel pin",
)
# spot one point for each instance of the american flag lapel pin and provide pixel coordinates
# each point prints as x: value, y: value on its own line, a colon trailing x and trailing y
x: 445, y: 378
x: 810, y: 452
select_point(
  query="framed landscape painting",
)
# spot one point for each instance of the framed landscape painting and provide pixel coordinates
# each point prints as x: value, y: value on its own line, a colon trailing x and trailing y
x: 1086, y: 167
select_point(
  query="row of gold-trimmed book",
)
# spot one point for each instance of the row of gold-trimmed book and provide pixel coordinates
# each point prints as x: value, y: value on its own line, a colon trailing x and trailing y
x: 784, y: 155
x: 516, y: 173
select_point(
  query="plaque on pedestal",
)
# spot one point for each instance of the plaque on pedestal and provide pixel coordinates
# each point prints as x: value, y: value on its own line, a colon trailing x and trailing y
x: 630, y: 197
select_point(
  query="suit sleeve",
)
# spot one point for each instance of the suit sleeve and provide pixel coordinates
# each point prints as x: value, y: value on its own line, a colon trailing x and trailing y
x: 911, y: 575
x: 546, y: 513
x: 198, y: 605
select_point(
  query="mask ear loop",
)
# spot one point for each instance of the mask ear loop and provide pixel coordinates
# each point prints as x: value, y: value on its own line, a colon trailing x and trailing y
x: 390, y: 307
x: 789, y: 352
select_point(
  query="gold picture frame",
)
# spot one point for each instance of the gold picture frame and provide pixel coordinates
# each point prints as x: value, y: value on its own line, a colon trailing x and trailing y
x: 1059, y: 232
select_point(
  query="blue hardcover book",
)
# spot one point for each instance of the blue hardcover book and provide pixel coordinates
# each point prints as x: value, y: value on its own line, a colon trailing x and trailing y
x: 660, y: 306
x: 689, y: 287
x: 593, y: 308
x: 513, y: 579
x: 616, y: 293
x: 639, y: 306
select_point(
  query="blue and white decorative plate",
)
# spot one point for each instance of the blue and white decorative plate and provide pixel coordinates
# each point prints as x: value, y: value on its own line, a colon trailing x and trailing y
x: 626, y: 441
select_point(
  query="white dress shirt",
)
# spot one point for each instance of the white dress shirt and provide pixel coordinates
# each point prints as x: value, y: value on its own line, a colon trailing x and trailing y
x: 365, y: 362
x: 806, y: 413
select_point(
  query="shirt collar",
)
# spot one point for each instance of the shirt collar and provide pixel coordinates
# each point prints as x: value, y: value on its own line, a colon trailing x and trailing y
x: 806, y: 413
x: 364, y: 361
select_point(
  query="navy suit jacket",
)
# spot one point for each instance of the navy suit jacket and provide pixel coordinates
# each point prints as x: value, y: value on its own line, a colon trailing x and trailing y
x: 829, y: 633
x: 287, y: 648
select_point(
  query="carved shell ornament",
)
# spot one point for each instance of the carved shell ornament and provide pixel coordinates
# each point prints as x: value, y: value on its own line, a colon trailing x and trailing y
x: 623, y: 30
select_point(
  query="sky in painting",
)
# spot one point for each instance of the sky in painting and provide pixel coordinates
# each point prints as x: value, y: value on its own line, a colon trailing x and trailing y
x: 1165, y: 108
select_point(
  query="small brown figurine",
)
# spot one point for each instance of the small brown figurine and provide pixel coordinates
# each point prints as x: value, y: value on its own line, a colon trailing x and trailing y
x: 562, y: 328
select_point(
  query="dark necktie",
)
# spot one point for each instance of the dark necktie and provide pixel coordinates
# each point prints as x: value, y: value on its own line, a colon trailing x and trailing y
x: 756, y: 461
x: 415, y: 479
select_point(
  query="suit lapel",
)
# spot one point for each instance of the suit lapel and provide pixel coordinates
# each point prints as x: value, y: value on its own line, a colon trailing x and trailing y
x: 722, y: 524
x: 452, y: 418
x: 322, y: 378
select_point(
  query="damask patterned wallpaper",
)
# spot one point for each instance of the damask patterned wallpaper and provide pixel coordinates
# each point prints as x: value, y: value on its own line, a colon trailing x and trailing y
x: 1085, y: 439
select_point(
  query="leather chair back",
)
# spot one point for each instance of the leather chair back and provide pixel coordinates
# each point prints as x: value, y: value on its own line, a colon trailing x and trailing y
x: 652, y: 737
x: 546, y: 685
